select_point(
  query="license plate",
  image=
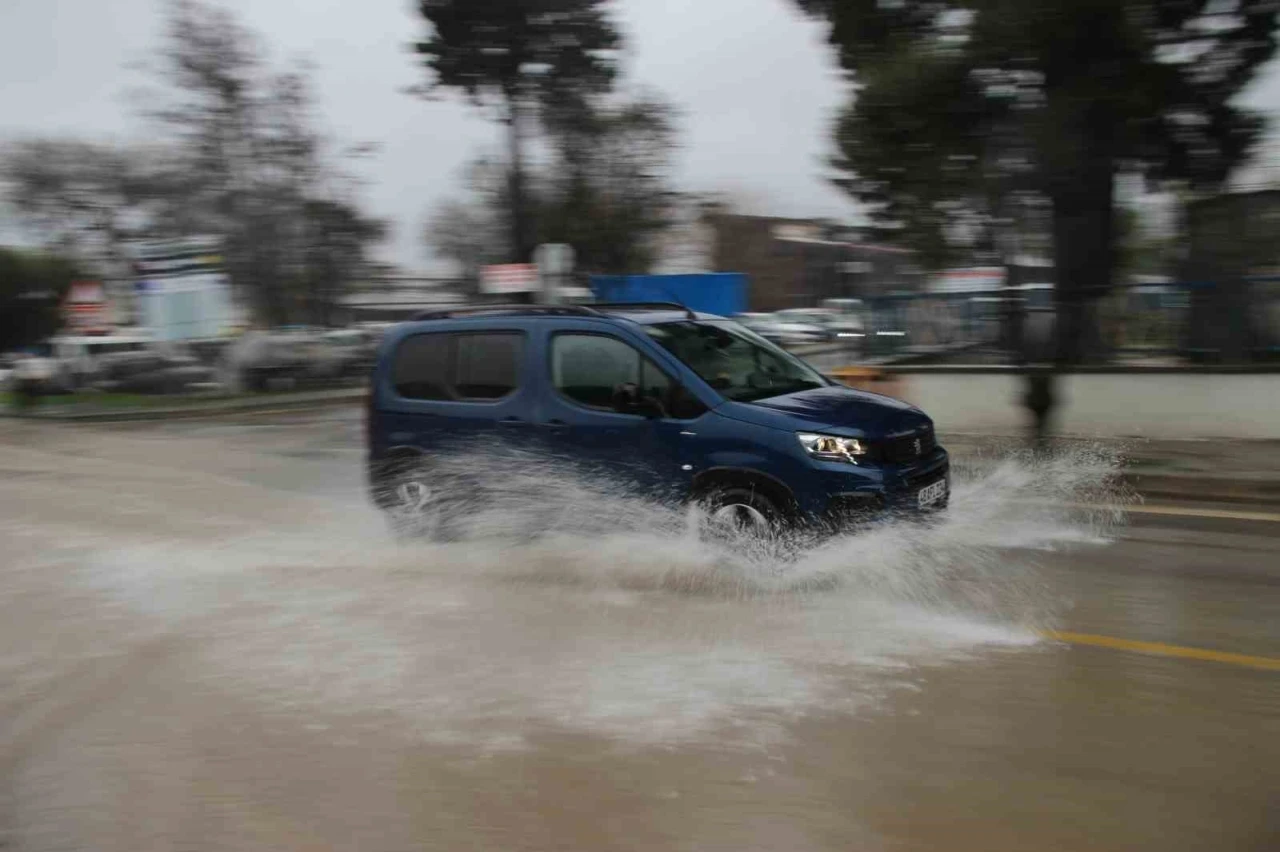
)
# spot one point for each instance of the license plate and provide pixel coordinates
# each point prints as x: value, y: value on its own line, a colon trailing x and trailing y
x: 931, y: 494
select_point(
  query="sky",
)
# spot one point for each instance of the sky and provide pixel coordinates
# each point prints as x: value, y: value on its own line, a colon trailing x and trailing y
x: 755, y: 84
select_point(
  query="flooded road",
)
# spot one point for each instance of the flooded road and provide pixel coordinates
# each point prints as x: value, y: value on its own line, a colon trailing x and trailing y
x: 211, y: 642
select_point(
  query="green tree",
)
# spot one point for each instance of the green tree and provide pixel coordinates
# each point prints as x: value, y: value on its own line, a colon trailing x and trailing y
x: 32, y: 286
x: 963, y: 103
x: 523, y: 57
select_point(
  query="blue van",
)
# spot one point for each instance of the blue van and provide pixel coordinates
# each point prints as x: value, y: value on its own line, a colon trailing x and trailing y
x: 681, y: 405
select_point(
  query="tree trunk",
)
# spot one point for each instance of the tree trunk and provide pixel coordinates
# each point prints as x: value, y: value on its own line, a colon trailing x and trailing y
x: 521, y: 231
x: 1084, y: 251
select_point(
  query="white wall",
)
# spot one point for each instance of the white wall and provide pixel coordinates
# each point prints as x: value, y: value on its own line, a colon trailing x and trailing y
x: 1184, y: 405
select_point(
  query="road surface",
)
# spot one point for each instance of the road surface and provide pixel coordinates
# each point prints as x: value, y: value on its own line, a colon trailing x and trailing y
x: 210, y: 642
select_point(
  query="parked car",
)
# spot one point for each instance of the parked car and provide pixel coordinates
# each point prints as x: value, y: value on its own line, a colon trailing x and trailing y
x: 79, y: 356
x: 35, y: 373
x: 835, y: 325
x: 673, y: 401
x: 781, y: 331
x: 153, y: 371
x: 259, y: 360
x: 353, y: 348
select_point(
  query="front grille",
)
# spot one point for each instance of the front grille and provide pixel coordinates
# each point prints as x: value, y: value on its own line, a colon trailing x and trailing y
x: 908, y: 449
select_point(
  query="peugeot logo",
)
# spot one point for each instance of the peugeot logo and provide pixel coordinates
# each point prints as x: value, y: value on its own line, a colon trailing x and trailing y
x: 919, y: 447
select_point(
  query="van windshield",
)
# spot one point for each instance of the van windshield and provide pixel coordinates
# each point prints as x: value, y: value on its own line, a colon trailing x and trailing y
x: 738, y: 363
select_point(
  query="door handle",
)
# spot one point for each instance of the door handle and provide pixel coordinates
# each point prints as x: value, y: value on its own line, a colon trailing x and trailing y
x: 555, y: 424
x: 512, y: 421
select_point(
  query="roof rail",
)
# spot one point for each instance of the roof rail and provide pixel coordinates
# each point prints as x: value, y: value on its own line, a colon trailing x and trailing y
x: 644, y: 306
x: 506, y: 310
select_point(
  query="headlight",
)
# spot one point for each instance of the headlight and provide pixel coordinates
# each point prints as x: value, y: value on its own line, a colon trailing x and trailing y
x: 832, y: 448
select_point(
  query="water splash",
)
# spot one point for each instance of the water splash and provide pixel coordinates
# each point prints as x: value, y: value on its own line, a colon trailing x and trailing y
x: 560, y: 527
x: 563, y: 602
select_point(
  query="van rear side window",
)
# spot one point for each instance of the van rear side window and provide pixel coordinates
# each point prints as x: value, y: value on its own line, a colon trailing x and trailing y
x: 486, y: 366
x: 483, y: 366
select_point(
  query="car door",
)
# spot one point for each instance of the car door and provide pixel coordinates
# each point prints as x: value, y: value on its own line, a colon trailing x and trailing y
x: 453, y: 390
x: 637, y: 446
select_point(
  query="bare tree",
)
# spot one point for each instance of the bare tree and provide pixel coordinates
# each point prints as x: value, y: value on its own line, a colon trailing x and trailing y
x: 261, y: 175
x: 76, y: 197
x: 471, y: 230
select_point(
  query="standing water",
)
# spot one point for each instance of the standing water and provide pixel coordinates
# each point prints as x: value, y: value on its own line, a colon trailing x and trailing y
x: 562, y: 604
x: 210, y: 630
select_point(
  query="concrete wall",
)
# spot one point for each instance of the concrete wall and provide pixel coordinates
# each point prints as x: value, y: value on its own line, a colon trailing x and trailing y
x: 1171, y: 405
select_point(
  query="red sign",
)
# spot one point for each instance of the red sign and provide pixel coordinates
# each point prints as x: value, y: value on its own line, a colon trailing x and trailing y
x: 509, y: 278
x: 85, y: 308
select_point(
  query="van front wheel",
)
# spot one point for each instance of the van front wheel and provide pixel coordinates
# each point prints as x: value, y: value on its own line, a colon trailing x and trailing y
x: 743, y: 511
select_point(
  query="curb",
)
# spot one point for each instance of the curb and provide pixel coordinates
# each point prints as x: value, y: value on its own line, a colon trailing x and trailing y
x: 215, y: 409
x: 1152, y: 486
x: 1083, y: 369
x: 1204, y: 489
x: 1180, y: 487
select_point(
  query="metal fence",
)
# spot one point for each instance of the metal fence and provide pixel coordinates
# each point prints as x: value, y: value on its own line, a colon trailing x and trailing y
x: 1235, y: 322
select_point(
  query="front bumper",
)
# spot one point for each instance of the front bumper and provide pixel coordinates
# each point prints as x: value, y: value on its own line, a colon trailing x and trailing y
x: 891, y: 489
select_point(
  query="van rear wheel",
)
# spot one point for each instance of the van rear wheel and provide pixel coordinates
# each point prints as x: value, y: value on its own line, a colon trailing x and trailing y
x: 412, y: 505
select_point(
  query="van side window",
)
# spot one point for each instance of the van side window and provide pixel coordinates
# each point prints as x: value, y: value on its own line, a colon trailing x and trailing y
x: 487, y: 365
x: 588, y: 368
x: 483, y: 366
x: 420, y: 369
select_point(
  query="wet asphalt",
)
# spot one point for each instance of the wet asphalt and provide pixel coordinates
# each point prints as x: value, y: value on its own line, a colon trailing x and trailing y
x: 211, y: 642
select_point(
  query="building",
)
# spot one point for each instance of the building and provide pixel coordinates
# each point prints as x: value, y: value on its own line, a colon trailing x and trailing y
x: 1233, y: 235
x: 393, y: 297
x: 1232, y: 263
x: 795, y: 263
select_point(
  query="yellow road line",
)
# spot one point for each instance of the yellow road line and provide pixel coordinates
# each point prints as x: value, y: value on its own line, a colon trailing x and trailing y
x: 1160, y: 649
x: 1188, y: 512
x: 1180, y: 511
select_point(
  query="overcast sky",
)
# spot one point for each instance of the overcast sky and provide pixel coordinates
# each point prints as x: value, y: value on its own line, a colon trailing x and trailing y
x: 754, y: 83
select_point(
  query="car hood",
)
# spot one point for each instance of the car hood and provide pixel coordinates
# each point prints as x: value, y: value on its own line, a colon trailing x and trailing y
x: 835, y: 409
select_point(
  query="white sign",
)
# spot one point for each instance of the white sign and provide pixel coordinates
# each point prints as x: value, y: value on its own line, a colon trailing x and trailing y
x: 509, y: 278
x: 793, y: 233
x: 554, y: 259
x: 555, y: 263
x: 971, y: 280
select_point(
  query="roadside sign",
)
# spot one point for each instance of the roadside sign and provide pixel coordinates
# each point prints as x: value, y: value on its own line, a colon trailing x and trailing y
x: 555, y: 263
x: 797, y: 233
x: 509, y: 278
x: 181, y: 291
x: 84, y: 309
x: 554, y: 259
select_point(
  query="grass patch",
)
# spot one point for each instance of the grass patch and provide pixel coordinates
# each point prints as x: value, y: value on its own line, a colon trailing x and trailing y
x: 100, y: 400
x: 92, y: 401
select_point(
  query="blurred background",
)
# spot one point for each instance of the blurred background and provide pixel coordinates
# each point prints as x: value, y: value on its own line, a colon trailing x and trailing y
x: 1052, y: 223
x: 225, y: 199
